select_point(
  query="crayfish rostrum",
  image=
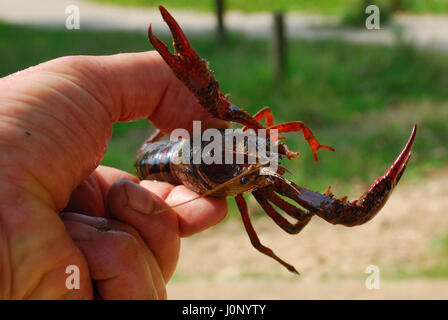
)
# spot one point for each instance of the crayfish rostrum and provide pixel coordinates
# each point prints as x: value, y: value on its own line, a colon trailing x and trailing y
x: 155, y: 159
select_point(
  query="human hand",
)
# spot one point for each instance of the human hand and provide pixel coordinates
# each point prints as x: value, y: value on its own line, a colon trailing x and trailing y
x: 59, y: 208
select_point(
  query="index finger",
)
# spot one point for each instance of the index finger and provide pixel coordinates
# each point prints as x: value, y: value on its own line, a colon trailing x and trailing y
x: 145, y: 87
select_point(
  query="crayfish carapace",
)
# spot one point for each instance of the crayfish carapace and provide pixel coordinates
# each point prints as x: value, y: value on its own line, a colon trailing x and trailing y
x: 154, y: 160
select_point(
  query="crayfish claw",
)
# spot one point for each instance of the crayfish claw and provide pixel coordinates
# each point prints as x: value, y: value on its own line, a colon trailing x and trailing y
x: 357, y: 212
x: 162, y: 49
x: 196, y: 75
x: 186, y: 64
x: 180, y: 41
x: 395, y: 172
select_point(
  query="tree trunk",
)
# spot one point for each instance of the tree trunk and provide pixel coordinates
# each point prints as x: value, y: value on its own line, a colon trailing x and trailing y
x: 220, y: 28
x: 279, y: 46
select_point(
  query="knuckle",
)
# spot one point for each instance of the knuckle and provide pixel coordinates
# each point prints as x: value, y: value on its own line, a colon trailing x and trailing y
x: 128, y: 247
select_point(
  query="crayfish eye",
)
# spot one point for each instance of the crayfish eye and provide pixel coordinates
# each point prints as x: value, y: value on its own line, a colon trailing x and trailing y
x: 243, y: 180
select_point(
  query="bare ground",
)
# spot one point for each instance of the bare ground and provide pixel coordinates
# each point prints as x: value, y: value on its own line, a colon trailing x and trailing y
x: 220, y: 263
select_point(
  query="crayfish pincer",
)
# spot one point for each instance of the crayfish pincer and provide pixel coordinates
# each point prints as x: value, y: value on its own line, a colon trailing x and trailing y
x: 160, y: 160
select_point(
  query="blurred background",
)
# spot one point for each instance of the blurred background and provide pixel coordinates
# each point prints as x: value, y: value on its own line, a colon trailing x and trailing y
x: 359, y: 90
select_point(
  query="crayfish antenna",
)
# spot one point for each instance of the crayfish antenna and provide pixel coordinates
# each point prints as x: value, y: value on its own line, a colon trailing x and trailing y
x: 212, y: 191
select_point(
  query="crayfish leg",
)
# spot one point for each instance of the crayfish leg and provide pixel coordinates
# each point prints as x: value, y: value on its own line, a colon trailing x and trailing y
x: 307, y: 134
x: 263, y: 197
x: 265, y: 113
x: 291, y: 210
x: 242, y: 206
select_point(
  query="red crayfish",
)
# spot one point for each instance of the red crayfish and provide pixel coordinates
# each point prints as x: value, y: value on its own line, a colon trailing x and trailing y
x: 155, y: 159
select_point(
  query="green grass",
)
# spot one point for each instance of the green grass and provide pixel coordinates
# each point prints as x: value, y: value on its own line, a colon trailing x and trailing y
x: 438, y: 268
x: 310, y: 6
x: 360, y: 99
x: 323, y: 6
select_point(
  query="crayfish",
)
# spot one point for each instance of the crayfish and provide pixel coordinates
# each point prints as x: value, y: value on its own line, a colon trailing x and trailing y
x: 155, y: 159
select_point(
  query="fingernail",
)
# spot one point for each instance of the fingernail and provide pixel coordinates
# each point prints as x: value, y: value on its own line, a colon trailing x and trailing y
x: 138, y: 198
x: 99, y: 223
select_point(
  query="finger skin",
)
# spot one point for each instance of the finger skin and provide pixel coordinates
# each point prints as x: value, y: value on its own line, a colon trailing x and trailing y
x: 194, y: 216
x: 89, y: 197
x: 119, y: 262
x: 35, y: 251
x: 197, y: 215
x: 124, y: 203
x: 161, y: 232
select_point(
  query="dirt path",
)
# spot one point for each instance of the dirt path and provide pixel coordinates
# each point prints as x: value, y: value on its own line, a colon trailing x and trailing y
x: 422, y: 30
x: 303, y: 290
x: 220, y: 263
